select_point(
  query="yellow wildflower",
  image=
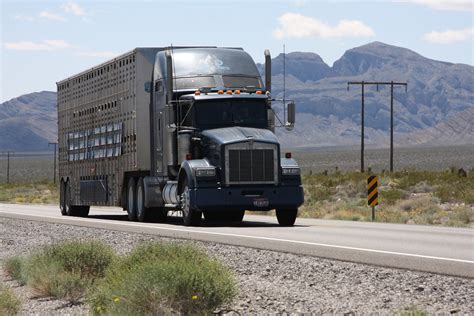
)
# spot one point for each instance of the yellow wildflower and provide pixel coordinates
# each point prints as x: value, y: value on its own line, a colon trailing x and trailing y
x: 195, y: 297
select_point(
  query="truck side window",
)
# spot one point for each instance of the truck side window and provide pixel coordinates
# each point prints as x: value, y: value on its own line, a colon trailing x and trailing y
x: 186, y: 114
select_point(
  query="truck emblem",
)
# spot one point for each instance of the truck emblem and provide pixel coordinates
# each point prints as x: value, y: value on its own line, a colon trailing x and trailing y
x: 251, y: 141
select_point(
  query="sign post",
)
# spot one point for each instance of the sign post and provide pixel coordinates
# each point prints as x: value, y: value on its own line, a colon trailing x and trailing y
x: 372, y: 193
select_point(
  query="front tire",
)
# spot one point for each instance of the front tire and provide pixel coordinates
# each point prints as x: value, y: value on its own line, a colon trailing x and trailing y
x: 131, y: 200
x: 191, y: 216
x: 286, y: 217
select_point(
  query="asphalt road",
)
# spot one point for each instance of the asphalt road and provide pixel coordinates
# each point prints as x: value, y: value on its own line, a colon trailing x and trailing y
x: 422, y: 248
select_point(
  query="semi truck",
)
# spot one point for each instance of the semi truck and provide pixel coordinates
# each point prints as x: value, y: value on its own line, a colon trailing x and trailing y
x: 183, y: 129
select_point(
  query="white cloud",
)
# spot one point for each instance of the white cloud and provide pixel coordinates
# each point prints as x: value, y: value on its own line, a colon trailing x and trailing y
x: 294, y: 25
x: 51, y: 16
x: 103, y: 54
x: 456, y: 5
x: 449, y: 36
x: 46, y: 45
x: 73, y: 8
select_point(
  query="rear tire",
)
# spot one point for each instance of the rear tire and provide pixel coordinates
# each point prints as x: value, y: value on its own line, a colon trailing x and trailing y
x: 148, y: 214
x: 131, y: 200
x: 62, y: 199
x: 142, y: 211
x: 191, y: 216
x: 286, y: 217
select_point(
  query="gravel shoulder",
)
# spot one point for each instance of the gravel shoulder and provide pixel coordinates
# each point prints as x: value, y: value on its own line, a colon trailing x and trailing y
x: 269, y: 282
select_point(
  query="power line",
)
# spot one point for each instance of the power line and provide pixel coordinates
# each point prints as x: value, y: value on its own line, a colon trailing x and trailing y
x: 8, y: 153
x: 376, y: 83
x: 54, y: 172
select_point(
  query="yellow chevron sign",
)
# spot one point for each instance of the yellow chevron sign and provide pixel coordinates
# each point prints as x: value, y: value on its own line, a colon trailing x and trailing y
x: 372, y: 191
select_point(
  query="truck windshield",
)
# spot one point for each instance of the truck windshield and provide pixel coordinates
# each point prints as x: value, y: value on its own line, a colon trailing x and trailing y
x: 213, y: 61
x: 216, y: 114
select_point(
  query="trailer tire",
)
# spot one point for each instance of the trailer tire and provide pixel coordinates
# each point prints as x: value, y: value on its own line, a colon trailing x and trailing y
x: 148, y: 214
x: 286, y: 217
x: 132, y: 200
x: 191, y: 216
x: 62, y: 199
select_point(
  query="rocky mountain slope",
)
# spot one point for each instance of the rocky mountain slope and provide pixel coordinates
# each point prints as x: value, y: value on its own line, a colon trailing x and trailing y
x: 328, y: 114
x: 29, y: 122
x: 437, y: 109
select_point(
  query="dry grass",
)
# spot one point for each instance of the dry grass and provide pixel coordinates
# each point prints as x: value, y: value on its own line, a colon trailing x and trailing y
x: 10, y: 304
x: 414, y: 197
x: 35, y: 192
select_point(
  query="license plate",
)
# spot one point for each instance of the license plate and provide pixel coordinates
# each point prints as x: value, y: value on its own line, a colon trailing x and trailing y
x: 261, y: 202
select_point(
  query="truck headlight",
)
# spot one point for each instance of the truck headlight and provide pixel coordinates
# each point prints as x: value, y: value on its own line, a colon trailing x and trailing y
x: 291, y: 171
x: 206, y: 172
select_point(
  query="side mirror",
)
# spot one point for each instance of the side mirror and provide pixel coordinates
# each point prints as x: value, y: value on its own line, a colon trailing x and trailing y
x: 147, y: 87
x: 291, y: 116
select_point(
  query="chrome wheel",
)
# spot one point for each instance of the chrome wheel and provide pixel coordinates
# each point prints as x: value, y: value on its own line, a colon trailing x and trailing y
x: 191, y: 217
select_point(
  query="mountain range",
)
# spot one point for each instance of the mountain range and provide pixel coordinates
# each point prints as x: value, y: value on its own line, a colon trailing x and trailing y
x: 437, y: 108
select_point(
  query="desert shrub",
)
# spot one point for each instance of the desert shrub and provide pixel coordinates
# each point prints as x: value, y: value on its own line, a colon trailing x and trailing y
x: 456, y: 191
x: 13, y: 267
x: 64, y: 270
x: 10, y: 304
x: 412, y: 311
x: 391, y: 196
x: 163, y: 279
x: 461, y: 216
x: 89, y: 259
x: 421, y: 187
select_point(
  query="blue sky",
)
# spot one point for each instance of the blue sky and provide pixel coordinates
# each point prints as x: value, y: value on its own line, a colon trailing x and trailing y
x: 45, y: 41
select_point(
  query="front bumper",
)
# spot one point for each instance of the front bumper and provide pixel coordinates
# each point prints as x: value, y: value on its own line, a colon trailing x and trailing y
x: 254, y: 198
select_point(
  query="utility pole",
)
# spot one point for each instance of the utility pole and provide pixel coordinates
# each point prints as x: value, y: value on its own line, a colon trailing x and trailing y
x: 8, y: 154
x: 362, y: 142
x: 376, y: 83
x: 54, y: 174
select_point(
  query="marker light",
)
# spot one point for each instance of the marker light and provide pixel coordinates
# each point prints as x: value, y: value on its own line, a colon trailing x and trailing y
x: 220, y: 92
x: 237, y: 91
x: 288, y: 155
x: 189, y: 156
x: 259, y: 92
x: 229, y: 91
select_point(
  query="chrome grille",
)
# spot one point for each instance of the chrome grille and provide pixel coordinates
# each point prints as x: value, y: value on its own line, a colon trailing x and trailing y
x: 251, y: 165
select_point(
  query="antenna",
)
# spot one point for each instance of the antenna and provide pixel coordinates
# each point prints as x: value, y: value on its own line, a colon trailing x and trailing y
x: 284, y: 84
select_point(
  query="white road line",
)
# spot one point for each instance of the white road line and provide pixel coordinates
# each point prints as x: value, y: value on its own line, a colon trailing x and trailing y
x: 262, y: 238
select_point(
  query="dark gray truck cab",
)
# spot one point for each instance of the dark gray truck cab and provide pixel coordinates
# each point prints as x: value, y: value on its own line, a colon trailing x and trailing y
x: 226, y: 158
